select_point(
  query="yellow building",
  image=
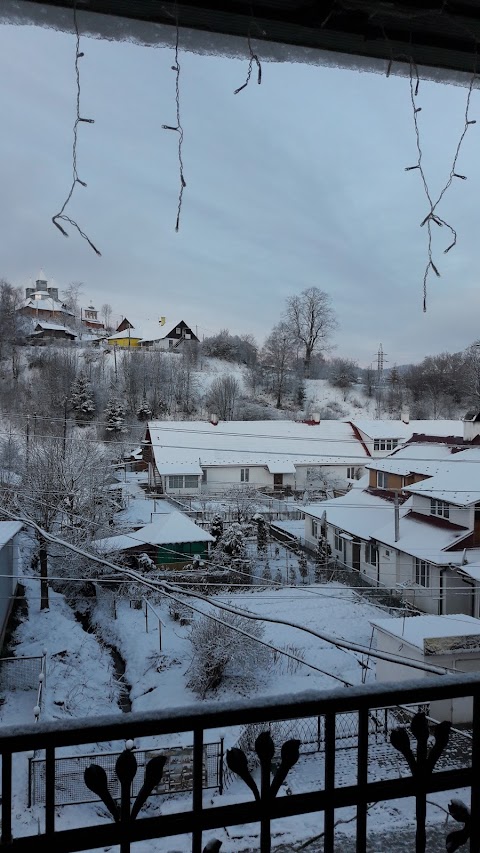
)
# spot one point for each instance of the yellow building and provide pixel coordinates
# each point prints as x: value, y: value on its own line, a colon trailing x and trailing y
x: 127, y: 338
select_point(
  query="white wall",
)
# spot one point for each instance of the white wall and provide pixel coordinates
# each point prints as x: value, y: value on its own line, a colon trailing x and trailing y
x: 455, y: 710
x: 458, y: 515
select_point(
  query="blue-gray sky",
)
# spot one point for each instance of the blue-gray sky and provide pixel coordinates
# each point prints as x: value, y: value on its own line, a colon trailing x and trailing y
x: 294, y: 183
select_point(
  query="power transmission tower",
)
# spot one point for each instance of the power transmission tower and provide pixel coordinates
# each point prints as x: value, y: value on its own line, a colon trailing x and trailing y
x: 379, y: 383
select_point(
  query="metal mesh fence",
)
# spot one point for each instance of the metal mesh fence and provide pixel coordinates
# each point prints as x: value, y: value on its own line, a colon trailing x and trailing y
x: 310, y: 731
x: 20, y: 673
x: 177, y: 777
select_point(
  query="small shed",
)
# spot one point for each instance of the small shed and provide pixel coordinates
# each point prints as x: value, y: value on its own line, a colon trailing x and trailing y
x: 171, y: 539
x: 451, y: 641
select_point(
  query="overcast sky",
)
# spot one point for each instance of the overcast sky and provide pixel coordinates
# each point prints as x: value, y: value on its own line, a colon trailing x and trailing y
x: 294, y: 183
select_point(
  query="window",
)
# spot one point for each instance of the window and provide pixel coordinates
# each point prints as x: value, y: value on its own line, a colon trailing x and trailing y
x: 338, y: 541
x: 188, y: 336
x: 439, y: 508
x: 170, y: 343
x: 422, y: 572
x: 387, y: 554
x: 191, y: 481
x: 385, y: 443
x: 244, y: 475
x: 371, y: 553
x: 350, y: 473
x: 177, y: 330
x: 382, y: 480
x: 314, y: 528
x: 175, y: 482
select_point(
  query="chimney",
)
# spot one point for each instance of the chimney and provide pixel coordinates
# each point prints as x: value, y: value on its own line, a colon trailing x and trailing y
x: 405, y: 416
x: 214, y: 420
x: 471, y: 426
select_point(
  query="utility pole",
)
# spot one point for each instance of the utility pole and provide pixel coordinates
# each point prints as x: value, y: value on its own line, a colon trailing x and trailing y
x: 65, y: 428
x: 396, y: 508
x: 115, y: 361
x: 27, y: 439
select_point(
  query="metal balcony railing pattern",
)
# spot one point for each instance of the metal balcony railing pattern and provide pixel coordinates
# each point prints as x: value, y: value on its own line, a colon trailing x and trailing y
x: 418, y: 746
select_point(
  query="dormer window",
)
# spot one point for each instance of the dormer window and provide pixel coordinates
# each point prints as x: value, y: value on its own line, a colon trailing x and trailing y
x: 382, y: 480
x: 439, y: 508
x: 385, y: 443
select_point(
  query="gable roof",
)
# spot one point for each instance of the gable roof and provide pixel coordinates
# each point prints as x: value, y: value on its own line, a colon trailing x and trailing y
x: 457, y: 480
x: 249, y: 443
x: 404, y: 431
x: 171, y: 528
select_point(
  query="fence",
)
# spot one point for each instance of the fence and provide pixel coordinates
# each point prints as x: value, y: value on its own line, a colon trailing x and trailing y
x: 70, y: 788
x: 311, y: 732
x: 25, y: 673
x: 358, y: 782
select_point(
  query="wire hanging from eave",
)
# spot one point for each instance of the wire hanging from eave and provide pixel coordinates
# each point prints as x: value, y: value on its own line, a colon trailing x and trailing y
x: 432, y: 216
x: 79, y: 118
x: 253, y: 59
x: 178, y: 128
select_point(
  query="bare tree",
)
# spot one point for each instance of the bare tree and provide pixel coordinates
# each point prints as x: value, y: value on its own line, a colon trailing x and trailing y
x: 106, y: 312
x: 64, y: 488
x: 223, y: 396
x: 312, y: 321
x: 71, y: 296
x: 277, y: 358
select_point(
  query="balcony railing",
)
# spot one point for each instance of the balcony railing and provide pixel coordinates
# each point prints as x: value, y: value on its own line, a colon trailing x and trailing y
x: 423, y: 772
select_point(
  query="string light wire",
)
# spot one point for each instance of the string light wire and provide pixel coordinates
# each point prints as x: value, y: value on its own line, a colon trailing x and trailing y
x: 179, y: 127
x: 61, y: 215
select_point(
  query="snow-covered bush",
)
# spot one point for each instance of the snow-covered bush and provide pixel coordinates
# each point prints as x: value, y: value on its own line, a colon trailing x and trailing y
x: 216, y: 527
x: 222, y: 655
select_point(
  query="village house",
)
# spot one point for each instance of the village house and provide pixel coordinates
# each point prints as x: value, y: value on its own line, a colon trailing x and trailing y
x: 89, y: 318
x: 189, y: 458
x: 128, y: 335
x: 44, y: 332
x: 170, y: 540
x: 412, y: 525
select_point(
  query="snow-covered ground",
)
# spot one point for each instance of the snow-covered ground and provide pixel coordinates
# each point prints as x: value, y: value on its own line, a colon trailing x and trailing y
x: 82, y: 682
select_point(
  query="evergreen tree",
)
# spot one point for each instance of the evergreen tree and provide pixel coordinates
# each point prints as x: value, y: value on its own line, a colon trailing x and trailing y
x: 216, y: 528
x: 144, y: 411
x: 322, y: 557
x: 303, y: 566
x: 267, y: 573
x: 114, y: 416
x: 278, y: 577
x: 81, y: 399
x: 262, y: 533
x: 293, y: 575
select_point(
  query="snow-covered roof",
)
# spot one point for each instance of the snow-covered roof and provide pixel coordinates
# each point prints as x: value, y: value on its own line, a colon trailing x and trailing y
x: 421, y: 537
x: 358, y: 512
x: 415, y: 630
x: 403, y: 431
x: 457, y: 481
x: 255, y: 443
x: 44, y: 303
x: 9, y: 529
x: 170, y: 528
x: 179, y: 468
x: 282, y: 466
x: 53, y: 327
x: 414, y: 458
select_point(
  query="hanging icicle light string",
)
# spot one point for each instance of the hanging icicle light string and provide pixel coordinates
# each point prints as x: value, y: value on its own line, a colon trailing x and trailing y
x: 61, y: 215
x: 178, y: 129
x: 432, y: 215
